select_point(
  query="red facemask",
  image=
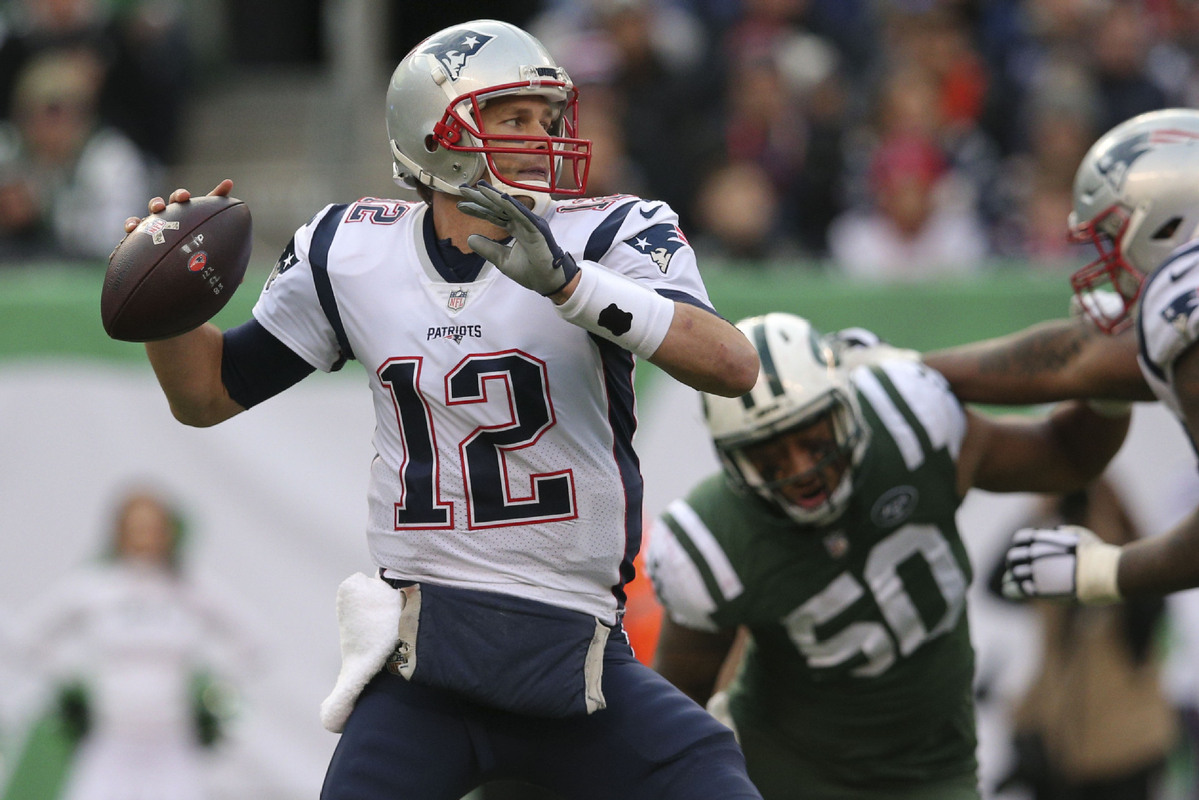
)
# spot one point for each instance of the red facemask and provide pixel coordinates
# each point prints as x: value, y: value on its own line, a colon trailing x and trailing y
x: 1111, y: 271
x: 557, y: 150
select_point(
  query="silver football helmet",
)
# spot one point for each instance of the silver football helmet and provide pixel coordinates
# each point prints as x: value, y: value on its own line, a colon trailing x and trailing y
x: 1136, y: 198
x: 439, y: 89
x: 799, y: 383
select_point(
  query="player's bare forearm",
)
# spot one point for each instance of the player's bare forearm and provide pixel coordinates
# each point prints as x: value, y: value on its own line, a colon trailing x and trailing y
x: 1062, y: 452
x: 188, y: 369
x: 1170, y: 562
x: 707, y: 353
x: 1161, y: 564
x: 691, y: 659
x: 1050, y: 361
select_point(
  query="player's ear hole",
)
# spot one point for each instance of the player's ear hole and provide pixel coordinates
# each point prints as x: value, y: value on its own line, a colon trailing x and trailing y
x: 1167, y: 230
x: 430, y: 143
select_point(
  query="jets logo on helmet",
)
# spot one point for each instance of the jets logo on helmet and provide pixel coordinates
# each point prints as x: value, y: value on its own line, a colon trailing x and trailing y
x: 454, y: 54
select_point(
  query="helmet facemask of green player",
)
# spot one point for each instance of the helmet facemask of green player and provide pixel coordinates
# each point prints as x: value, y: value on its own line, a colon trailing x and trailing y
x: 797, y: 437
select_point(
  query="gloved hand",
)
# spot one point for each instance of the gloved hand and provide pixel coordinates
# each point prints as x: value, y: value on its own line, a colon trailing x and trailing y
x: 855, y: 347
x: 1065, y: 563
x: 533, y: 259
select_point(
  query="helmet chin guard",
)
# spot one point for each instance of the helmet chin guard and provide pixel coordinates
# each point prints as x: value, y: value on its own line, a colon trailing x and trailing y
x: 434, y: 106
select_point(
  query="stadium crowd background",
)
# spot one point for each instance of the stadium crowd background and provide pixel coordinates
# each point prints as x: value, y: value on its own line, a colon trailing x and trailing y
x: 892, y: 139
x: 876, y: 140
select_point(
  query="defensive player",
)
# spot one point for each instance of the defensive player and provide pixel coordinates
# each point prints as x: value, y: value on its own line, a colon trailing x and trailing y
x: 830, y: 535
x: 505, y: 496
x: 1136, y: 198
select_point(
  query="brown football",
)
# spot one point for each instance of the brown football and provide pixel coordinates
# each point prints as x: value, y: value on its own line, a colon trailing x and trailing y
x: 176, y: 270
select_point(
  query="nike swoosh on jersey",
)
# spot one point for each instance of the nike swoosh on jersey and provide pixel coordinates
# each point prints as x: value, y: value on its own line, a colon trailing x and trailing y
x: 653, y: 210
x: 1175, y: 274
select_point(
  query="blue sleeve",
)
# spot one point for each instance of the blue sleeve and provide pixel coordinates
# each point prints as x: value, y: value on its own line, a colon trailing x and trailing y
x: 256, y: 366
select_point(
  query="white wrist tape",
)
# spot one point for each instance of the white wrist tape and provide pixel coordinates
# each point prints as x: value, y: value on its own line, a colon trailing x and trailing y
x: 1095, y: 576
x: 619, y: 310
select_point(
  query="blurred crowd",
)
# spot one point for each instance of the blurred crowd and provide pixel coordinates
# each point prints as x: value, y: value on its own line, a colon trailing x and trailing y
x: 890, y: 138
x: 885, y: 139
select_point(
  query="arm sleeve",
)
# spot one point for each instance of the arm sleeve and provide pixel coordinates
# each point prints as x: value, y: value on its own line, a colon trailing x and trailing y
x: 256, y: 366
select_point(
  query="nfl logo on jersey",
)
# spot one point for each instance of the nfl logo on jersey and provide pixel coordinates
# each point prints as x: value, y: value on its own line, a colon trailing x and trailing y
x: 457, y: 300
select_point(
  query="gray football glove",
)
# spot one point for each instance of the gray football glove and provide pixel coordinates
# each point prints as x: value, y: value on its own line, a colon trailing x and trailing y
x: 533, y: 259
x: 1064, y: 563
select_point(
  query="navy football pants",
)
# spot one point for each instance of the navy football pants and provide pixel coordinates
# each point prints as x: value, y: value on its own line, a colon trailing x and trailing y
x: 410, y: 742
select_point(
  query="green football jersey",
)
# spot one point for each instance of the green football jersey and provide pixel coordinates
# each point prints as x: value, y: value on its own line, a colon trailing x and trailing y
x: 860, y: 668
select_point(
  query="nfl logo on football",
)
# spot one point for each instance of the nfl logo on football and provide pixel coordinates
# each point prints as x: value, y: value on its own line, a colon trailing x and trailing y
x: 457, y: 300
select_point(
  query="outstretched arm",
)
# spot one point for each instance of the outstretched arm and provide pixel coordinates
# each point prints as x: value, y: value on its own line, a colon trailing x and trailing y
x: 188, y: 367
x: 1056, y: 360
x: 690, y: 344
x: 1169, y: 562
x: 1060, y: 452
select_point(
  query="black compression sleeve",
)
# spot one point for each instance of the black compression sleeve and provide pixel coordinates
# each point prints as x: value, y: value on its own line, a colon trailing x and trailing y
x: 256, y: 366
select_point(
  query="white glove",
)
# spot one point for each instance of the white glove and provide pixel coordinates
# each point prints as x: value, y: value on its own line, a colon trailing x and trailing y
x: 1101, y: 304
x: 533, y: 259
x: 1067, y: 562
x: 856, y: 347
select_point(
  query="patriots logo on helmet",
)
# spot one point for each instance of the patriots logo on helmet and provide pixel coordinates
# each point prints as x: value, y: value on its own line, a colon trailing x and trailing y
x: 660, y: 243
x: 454, y: 54
x: 1178, y: 313
x: 1116, y: 162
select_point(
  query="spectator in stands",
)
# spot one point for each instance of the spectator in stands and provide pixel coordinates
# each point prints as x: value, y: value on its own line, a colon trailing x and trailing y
x: 915, y: 228
x: 142, y: 50
x: 66, y: 182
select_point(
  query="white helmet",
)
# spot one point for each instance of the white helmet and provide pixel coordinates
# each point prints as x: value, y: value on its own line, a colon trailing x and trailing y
x: 798, y: 383
x: 1136, y: 198
x: 437, y: 93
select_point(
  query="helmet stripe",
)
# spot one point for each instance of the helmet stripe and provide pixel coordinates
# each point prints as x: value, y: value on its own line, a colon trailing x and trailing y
x: 768, y: 368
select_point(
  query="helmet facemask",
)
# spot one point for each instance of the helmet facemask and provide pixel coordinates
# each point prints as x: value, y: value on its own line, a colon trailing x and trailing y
x: 1110, y: 272
x: 460, y: 130
x: 803, y: 404
x: 820, y: 493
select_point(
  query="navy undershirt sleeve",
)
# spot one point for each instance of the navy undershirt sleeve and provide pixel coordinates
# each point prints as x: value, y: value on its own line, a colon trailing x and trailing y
x: 256, y: 366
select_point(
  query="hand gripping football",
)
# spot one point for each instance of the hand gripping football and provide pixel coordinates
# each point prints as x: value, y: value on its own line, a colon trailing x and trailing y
x: 176, y: 270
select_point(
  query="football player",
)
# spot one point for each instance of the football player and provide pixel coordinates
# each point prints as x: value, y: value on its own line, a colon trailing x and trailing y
x: 498, y: 326
x: 830, y: 535
x: 1136, y: 198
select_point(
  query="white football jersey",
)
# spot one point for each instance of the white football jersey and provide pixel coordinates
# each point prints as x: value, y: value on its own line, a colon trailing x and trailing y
x: 1167, y: 323
x: 503, y: 441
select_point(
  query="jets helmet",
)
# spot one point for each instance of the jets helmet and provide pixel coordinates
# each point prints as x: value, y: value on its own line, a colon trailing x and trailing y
x: 1136, y: 198
x: 439, y: 89
x: 799, y: 383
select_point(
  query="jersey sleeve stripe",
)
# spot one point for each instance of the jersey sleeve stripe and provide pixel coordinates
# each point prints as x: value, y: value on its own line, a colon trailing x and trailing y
x: 933, y: 410
x: 604, y: 234
x: 679, y: 582
x: 727, y: 581
x: 683, y: 297
x: 318, y: 258
x: 907, y: 440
